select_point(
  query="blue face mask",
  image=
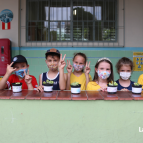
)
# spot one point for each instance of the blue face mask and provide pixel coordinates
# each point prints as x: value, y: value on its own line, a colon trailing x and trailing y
x: 20, y: 73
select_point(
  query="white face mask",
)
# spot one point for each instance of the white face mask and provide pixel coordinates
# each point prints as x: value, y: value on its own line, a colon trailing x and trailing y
x: 125, y: 75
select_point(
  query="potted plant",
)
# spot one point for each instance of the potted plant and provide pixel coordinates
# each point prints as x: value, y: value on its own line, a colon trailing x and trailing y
x: 112, y: 87
x: 17, y: 87
x: 75, y: 87
x: 48, y: 85
x: 136, y: 88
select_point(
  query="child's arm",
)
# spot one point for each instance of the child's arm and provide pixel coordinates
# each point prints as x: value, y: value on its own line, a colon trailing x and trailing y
x: 3, y: 81
x: 28, y: 80
x: 87, y: 71
x: 40, y: 80
x: 40, y: 87
x: 140, y: 80
x: 69, y: 70
x: 62, y: 79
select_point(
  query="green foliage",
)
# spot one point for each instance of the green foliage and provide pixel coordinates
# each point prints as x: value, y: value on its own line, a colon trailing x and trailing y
x: 82, y: 14
x: 75, y: 84
x: 17, y: 83
x: 54, y: 36
x: 51, y: 82
x: 137, y: 84
x: 48, y: 81
x: 109, y: 34
x: 113, y: 83
x: 44, y: 82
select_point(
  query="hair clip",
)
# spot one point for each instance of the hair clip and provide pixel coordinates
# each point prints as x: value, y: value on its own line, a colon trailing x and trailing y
x: 104, y: 59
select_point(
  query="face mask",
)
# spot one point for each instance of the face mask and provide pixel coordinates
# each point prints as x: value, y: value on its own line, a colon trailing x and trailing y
x: 52, y: 66
x: 20, y: 73
x: 103, y: 74
x: 125, y: 75
x: 78, y: 67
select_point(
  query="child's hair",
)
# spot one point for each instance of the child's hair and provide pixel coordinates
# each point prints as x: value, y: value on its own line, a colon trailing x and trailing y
x: 80, y: 54
x: 111, y: 77
x: 124, y: 61
x: 52, y: 54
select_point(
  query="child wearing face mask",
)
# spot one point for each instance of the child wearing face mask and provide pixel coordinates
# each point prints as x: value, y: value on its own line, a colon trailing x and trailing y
x: 124, y: 68
x: 20, y: 67
x: 81, y: 71
x: 103, y: 75
x: 56, y: 73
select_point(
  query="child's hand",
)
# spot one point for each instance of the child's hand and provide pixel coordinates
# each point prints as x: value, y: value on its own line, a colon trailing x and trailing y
x: 87, y: 68
x: 40, y: 88
x: 62, y: 63
x: 10, y: 69
x: 124, y: 89
x: 27, y: 78
x: 103, y: 89
x: 69, y: 67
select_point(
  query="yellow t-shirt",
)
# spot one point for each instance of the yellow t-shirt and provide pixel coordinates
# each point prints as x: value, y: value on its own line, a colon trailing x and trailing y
x: 92, y: 86
x: 140, y: 80
x: 0, y: 78
x: 81, y: 80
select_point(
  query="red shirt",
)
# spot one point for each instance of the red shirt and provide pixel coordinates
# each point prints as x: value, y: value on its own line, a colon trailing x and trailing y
x: 14, y: 78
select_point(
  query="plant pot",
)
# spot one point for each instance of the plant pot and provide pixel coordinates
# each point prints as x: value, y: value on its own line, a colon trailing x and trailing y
x: 136, y: 89
x: 76, y: 89
x: 112, y: 89
x: 48, y: 87
x: 16, y: 87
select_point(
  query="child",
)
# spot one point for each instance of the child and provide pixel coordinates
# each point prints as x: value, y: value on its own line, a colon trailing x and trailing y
x: 124, y: 68
x: 103, y: 75
x: 140, y: 80
x: 20, y: 67
x: 79, y: 62
x: 54, y: 62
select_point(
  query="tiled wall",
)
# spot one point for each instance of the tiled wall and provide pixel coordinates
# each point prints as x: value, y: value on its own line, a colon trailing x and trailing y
x: 36, y: 59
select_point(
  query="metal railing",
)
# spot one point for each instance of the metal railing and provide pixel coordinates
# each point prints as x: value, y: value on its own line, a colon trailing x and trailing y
x: 68, y: 23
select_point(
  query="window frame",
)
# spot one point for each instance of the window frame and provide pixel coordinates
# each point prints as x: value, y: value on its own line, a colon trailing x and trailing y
x: 71, y: 21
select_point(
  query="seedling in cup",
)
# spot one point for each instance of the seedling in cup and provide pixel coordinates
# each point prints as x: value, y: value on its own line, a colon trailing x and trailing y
x: 112, y: 87
x: 75, y: 88
x: 48, y: 85
x: 136, y: 88
x: 17, y: 87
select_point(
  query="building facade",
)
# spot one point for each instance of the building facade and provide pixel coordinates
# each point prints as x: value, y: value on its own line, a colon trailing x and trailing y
x: 99, y: 28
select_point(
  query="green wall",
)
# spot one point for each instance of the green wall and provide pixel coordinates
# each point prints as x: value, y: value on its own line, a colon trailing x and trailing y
x: 36, y: 59
x: 38, y: 121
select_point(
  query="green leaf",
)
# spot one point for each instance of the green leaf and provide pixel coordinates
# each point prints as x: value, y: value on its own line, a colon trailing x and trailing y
x: 75, y: 84
x: 17, y: 83
x: 113, y: 83
x: 137, y: 84
x: 44, y: 82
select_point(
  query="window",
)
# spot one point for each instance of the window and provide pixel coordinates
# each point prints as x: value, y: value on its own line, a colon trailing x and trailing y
x: 71, y: 20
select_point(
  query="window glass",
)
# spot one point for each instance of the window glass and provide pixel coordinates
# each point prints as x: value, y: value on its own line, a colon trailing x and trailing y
x: 71, y: 20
